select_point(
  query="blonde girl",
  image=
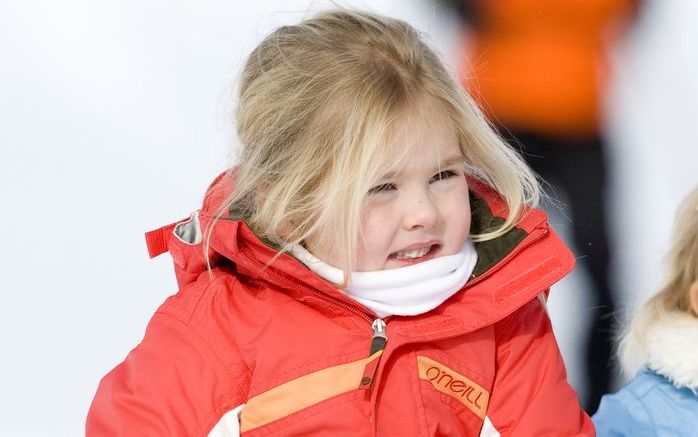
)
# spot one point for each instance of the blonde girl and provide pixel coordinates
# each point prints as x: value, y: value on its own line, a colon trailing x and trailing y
x: 660, y: 348
x: 373, y: 264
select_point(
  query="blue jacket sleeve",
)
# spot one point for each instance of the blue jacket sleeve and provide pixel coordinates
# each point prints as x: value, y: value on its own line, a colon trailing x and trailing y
x: 622, y: 414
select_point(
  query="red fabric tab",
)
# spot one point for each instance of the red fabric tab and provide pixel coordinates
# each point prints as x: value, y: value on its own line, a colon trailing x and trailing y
x: 370, y: 372
x: 157, y: 240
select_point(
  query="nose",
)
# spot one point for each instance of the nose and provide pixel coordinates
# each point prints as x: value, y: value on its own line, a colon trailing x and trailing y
x: 419, y: 211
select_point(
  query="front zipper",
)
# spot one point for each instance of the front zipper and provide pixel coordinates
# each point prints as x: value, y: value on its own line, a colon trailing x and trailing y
x: 379, y: 338
x: 319, y: 294
x: 378, y: 341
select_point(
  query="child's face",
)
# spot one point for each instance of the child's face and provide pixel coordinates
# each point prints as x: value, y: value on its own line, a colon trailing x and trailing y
x: 419, y: 211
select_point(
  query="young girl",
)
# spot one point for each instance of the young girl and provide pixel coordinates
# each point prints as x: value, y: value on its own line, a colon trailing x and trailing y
x: 372, y: 265
x: 661, y: 349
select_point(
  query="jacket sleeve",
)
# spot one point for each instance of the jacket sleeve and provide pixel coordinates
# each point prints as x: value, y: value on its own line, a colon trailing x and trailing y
x: 622, y: 414
x: 530, y: 394
x: 171, y: 384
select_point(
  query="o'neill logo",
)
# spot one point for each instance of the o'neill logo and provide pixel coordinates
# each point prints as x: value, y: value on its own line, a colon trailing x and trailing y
x: 455, y: 385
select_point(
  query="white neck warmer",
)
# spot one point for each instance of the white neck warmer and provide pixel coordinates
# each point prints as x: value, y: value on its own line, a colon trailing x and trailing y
x: 406, y: 291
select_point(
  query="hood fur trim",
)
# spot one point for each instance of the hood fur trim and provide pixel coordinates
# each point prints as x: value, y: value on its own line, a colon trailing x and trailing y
x: 672, y: 349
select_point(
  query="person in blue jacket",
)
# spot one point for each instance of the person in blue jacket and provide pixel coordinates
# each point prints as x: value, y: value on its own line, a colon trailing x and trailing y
x: 660, y: 348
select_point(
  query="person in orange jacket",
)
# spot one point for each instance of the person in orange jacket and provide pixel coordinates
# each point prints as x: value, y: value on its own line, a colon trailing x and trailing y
x: 373, y: 265
x: 539, y: 70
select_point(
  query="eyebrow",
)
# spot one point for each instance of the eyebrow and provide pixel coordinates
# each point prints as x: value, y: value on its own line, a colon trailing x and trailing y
x: 453, y: 160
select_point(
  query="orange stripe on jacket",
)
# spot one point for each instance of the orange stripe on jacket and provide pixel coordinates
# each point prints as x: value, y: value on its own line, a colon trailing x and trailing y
x: 302, y: 392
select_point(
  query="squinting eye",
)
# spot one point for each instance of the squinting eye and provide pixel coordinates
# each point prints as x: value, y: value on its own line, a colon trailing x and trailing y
x: 442, y: 175
x: 381, y: 188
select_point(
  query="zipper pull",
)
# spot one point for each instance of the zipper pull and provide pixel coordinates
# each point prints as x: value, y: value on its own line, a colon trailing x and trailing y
x: 379, y: 338
x: 378, y: 341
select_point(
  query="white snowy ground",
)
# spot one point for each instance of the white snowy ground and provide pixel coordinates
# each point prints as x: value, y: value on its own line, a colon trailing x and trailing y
x: 114, y: 116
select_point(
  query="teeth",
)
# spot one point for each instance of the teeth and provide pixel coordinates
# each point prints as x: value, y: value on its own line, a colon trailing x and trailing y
x: 410, y: 254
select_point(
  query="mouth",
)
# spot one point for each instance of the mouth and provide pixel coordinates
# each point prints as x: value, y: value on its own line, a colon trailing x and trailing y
x: 415, y: 253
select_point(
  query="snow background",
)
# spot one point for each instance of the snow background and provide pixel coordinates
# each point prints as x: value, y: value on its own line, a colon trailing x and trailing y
x: 115, y: 116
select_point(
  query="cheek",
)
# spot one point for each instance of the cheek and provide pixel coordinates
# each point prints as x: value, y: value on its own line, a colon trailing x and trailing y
x: 460, y: 220
x: 376, y: 230
x: 458, y: 213
x: 372, y: 230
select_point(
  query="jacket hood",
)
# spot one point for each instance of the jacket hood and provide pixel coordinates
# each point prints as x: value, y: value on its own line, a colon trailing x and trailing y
x: 528, y: 260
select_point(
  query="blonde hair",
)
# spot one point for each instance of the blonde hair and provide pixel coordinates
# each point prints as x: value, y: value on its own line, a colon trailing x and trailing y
x: 673, y: 297
x: 319, y: 103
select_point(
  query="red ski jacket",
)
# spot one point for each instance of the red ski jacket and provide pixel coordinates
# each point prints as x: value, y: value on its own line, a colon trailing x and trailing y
x: 304, y: 359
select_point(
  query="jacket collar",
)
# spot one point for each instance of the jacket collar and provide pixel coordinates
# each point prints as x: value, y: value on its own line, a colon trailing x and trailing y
x: 672, y: 349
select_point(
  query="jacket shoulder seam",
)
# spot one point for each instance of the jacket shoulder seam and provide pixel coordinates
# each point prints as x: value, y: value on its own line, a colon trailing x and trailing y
x: 203, y: 340
x: 237, y: 398
x: 186, y: 316
x: 188, y: 320
x: 238, y: 373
